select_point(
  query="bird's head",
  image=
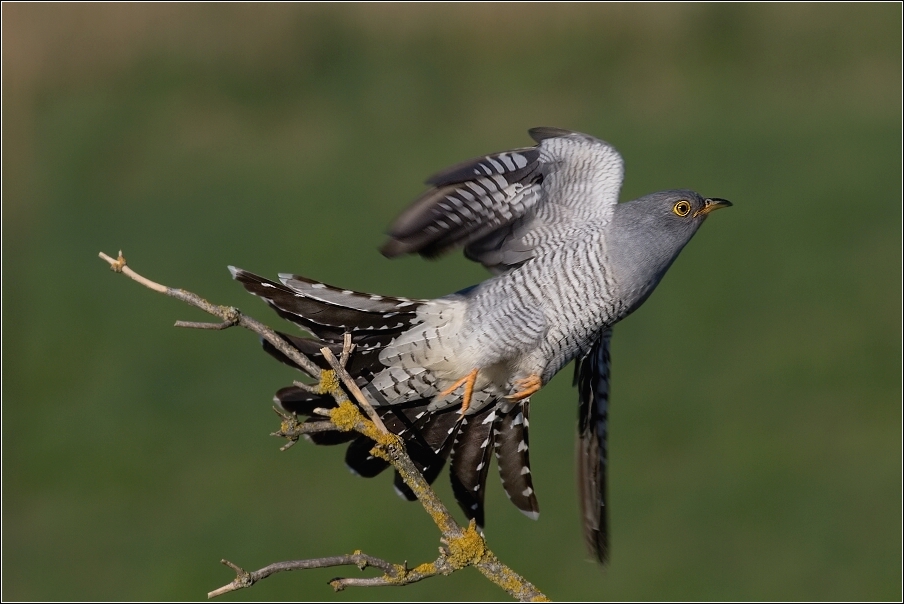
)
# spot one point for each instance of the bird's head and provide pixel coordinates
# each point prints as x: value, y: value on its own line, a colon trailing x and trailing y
x: 663, y: 222
x: 671, y: 215
x: 647, y: 234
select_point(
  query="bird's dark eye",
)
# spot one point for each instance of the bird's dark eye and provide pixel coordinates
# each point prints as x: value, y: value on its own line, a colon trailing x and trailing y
x: 682, y: 208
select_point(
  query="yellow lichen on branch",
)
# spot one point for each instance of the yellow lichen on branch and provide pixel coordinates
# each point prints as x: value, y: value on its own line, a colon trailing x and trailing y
x: 329, y: 381
x: 346, y: 416
x: 427, y: 568
x: 468, y: 549
x: 512, y: 582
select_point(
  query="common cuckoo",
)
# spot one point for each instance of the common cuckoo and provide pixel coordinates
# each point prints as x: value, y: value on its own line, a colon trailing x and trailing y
x: 454, y: 376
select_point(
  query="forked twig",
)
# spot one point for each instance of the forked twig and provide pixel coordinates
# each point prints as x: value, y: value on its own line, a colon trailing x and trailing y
x: 393, y: 574
x: 230, y: 315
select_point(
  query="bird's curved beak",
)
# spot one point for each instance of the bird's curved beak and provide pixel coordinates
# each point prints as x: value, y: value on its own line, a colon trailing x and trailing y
x: 711, y: 204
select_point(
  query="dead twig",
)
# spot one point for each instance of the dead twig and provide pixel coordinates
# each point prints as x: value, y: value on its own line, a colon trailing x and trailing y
x: 393, y: 574
x: 230, y: 316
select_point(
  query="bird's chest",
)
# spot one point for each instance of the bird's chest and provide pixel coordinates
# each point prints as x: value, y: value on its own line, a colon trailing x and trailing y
x: 535, y: 321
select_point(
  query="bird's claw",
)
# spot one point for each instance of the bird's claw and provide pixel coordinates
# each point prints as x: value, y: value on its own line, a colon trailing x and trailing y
x: 468, y: 381
x: 528, y: 386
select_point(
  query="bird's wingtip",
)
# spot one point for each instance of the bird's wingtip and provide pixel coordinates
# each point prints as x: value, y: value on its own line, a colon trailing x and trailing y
x: 541, y: 133
x: 394, y: 248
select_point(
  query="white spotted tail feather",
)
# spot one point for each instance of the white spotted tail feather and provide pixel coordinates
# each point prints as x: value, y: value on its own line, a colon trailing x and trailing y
x: 504, y: 433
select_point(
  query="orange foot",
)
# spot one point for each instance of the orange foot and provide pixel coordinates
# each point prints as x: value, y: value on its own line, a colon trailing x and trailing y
x: 528, y: 385
x: 468, y: 381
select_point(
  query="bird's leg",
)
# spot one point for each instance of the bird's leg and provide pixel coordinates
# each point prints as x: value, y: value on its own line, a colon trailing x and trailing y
x: 468, y: 381
x: 528, y: 385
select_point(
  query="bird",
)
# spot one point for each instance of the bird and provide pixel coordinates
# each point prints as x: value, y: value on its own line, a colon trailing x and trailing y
x: 453, y: 376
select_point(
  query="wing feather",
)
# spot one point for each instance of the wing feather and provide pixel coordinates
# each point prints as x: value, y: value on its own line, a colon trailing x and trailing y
x: 508, y: 207
x: 592, y: 377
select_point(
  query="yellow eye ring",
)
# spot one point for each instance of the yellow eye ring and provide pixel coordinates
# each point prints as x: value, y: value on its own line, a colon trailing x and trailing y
x: 682, y: 208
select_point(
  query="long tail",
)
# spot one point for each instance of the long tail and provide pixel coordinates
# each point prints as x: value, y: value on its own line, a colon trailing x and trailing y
x: 430, y: 437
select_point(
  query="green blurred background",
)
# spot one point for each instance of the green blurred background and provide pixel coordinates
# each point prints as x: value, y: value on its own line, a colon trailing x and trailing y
x: 756, y: 418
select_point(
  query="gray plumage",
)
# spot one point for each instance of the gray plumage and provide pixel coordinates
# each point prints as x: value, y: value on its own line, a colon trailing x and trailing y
x: 454, y: 375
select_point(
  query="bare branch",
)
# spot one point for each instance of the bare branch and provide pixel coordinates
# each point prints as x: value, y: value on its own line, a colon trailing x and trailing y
x: 393, y: 574
x: 203, y: 325
x: 347, y: 348
x: 461, y: 546
x: 291, y: 429
x: 230, y: 315
x: 399, y: 575
x: 119, y: 266
x: 315, y: 388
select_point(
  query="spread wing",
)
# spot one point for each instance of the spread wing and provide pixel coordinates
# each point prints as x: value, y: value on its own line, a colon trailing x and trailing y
x: 508, y: 207
x: 592, y: 377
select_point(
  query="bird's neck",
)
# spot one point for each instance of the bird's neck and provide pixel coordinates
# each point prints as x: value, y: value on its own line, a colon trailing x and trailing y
x: 638, y: 261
